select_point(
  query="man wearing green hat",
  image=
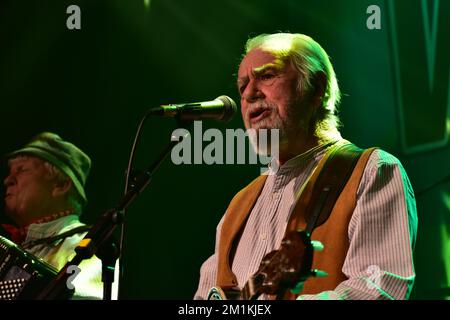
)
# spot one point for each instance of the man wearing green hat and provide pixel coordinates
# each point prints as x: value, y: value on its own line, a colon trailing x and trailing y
x: 44, y: 197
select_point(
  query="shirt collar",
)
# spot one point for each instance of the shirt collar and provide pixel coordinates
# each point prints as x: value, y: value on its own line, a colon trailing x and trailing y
x: 303, y: 158
x: 41, y: 227
x: 50, y: 228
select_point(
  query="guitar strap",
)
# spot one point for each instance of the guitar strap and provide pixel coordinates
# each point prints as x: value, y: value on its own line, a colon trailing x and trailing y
x: 329, y: 184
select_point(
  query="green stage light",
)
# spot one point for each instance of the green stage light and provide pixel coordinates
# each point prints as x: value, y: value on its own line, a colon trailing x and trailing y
x: 147, y: 4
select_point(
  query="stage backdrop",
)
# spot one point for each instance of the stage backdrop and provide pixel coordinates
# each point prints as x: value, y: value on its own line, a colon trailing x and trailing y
x: 91, y: 79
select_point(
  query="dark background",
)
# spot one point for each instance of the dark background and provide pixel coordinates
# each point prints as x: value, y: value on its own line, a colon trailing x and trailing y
x: 92, y: 86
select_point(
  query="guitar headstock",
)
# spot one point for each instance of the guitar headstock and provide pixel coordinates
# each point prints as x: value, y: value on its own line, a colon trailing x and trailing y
x: 282, y: 269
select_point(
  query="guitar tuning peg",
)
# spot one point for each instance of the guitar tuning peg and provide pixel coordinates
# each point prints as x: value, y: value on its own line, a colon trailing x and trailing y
x: 318, y: 273
x: 298, y: 288
x: 317, y: 245
x: 290, y: 271
x: 314, y: 273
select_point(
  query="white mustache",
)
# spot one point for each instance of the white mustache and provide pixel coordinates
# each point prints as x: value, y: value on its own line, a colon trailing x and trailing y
x: 258, y: 107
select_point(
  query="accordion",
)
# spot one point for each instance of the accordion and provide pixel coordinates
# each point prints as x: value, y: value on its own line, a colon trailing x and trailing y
x: 22, y: 275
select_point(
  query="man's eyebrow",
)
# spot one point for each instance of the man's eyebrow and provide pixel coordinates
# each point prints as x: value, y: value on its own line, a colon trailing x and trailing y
x: 16, y: 162
x: 258, y: 70
x: 269, y: 66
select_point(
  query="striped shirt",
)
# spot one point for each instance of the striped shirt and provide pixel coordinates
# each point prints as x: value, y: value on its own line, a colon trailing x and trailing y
x: 88, y: 282
x: 381, y: 232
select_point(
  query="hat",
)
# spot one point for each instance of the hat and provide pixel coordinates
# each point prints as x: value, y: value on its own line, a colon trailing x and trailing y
x: 62, y: 154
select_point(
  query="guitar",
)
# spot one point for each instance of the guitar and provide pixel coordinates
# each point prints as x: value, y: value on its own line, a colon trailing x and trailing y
x: 279, y: 271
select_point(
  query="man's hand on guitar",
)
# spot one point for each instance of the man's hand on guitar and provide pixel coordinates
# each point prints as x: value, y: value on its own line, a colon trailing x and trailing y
x: 297, y: 289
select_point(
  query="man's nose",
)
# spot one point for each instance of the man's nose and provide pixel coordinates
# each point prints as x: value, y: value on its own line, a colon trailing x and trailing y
x: 9, y: 180
x: 253, y: 92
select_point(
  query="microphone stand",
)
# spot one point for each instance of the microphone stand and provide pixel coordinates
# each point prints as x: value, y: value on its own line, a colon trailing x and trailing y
x: 108, y: 254
x: 97, y: 239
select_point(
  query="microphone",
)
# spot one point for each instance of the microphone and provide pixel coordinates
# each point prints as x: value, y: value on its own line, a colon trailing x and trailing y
x: 222, y: 108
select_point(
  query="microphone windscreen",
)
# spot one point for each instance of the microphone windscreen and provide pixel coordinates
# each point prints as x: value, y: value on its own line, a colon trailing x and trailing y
x: 229, y: 108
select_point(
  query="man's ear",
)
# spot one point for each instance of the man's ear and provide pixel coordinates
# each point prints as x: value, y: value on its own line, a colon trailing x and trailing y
x: 61, y: 187
x: 319, y: 83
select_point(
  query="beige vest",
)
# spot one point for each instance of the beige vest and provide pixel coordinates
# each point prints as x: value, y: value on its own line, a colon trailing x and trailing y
x: 333, y: 233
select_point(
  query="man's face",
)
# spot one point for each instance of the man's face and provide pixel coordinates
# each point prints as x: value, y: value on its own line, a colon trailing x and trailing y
x: 28, y: 189
x: 271, y: 98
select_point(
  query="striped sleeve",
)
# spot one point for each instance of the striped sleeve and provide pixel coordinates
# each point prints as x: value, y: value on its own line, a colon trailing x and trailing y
x: 382, y: 233
x: 208, y: 270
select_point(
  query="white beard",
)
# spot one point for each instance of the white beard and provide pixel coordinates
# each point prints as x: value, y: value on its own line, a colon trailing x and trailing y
x: 271, y: 133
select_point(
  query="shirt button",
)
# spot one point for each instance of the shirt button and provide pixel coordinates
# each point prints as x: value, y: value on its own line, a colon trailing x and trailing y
x: 263, y: 236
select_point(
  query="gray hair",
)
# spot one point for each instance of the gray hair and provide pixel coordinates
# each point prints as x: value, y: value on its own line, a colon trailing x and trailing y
x: 308, y: 58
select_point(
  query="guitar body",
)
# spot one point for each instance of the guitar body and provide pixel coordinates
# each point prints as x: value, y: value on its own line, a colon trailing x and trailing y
x: 279, y: 271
